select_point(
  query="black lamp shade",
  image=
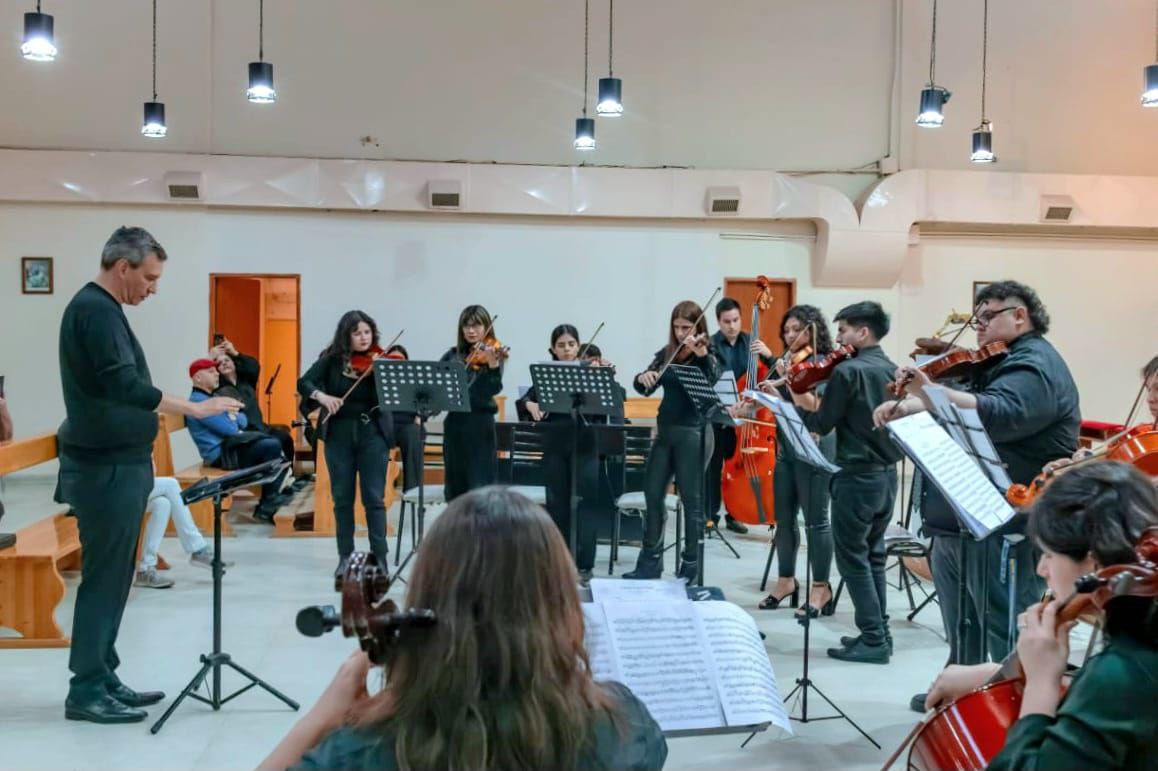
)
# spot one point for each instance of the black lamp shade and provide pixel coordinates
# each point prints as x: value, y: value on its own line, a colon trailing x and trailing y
x: 261, y: 90
x: 1150, y: 95
x: 154, y: 125
x: 584, y: 133
x: 931, y: 112
x: 983, y: 145
x: 39, y: 42
x: 610, y: 104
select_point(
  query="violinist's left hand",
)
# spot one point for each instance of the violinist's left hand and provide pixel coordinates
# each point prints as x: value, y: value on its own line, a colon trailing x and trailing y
x: 491, y: 356
x: 759, y: 347
x: 766, y: 386
x: 1044, y: 645
x: 916, y: 379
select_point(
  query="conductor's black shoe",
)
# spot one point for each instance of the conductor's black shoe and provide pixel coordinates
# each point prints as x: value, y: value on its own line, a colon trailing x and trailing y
x: 861, y: 653
x: 735, y: 525
x: 104, y: 709
x: 917, y: 703
x: 130, y: 698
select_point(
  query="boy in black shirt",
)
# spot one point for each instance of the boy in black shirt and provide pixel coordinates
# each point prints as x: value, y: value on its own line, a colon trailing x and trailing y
x: 865, y: 488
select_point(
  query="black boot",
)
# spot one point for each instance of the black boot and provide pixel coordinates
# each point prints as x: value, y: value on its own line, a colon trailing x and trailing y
x: 649, y: 564
x: 689, y: 570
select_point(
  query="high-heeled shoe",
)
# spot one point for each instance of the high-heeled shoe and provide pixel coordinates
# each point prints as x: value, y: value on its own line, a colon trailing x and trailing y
x: 771, y: 602
x: 827, y: 609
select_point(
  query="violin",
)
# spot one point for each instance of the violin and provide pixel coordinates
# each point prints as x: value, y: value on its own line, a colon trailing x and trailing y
x: 806, y: 375
x: 1137, y: 446
x: 478, y: 356
x: 682, y: 352
x: 957, y: 362
x: 746, y: 479
x: 366, y: 613
x: 969, y: 732
x: 361, y: 361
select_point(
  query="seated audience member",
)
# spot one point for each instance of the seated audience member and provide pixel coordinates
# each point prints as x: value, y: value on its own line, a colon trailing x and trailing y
x: 501, y: 681
x: 1089, y: 517
x: 165, y: 502
x: 239, y: 379
x: 223, y: 442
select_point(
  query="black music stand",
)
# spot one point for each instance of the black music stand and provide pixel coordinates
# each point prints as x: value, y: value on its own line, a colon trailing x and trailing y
x: 218, y: 489
x: 579, y: 389
x: 802, y: 446
x: 707, y: 403
x: 425, y: 388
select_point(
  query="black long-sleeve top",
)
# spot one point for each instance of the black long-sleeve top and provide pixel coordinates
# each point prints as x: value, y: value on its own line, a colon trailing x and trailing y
x: 734, y: 356
x: 677, y: 408
x: 485, y: 383
x: 109, y: 397
x: 245, y: 391
x: 854, y: 390
x: 329, y: 375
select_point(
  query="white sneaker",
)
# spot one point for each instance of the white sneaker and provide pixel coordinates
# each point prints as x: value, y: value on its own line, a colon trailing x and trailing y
x: 204, y: 559
x: 150, y: 579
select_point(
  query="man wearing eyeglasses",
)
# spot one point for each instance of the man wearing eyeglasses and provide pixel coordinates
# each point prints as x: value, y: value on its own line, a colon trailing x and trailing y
x: 1028, y: 403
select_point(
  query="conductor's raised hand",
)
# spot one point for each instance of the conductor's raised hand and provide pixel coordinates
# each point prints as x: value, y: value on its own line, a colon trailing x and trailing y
x: 216, y: 405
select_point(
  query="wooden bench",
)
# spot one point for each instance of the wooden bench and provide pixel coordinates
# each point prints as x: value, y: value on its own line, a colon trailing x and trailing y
x: 202, y: 511
x: 30, y: 582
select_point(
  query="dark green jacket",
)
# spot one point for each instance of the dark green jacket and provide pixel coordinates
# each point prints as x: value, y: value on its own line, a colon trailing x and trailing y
x: 1108, y: 719
x: 640, y: 746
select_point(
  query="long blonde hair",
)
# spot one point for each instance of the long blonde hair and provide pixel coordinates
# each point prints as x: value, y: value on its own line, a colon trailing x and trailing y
x: 503, y: 679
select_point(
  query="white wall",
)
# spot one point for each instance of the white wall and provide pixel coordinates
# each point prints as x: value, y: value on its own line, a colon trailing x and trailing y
x: 417, y: 273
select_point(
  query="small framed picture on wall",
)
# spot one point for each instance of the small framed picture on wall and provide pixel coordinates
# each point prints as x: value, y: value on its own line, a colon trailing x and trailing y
x: 978, y: 286
x: 36, y: 275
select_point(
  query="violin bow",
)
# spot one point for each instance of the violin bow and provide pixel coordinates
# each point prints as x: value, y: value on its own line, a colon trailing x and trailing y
x: 591, y: 340
x: 696, y: 323
x: 362, y: 377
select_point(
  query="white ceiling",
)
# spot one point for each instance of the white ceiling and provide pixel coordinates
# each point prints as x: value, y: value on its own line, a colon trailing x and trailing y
x: 780, y: 84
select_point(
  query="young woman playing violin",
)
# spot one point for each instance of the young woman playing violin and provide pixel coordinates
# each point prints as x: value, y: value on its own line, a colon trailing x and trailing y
x: 796, y: 485
x: 557, y: 450
x: 682, y: 447
x: 468, y: 442
x: 357, y: 434
x: 1088, y: 519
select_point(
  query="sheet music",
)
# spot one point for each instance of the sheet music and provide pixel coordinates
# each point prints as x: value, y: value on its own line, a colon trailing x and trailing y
x: 624, y: 590
x: 974, y: 499
x: 965, y: 427
x: 726, y: 388
x: 788, y: 419
x: 597, y: 639
x: 748, y: 690
x: 660, y: 650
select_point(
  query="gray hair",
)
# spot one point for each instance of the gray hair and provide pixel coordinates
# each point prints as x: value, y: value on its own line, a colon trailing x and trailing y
x: 131, y: 244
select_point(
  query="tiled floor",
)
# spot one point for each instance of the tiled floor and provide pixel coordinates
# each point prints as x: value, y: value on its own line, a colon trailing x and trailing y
x: 164, y: 632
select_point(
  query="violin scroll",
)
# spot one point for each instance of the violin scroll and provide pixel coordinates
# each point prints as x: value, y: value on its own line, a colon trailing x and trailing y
x: 366, y: 613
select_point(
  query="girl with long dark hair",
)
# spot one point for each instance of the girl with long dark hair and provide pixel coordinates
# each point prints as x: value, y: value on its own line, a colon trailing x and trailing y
x: 468, y: 441
x: 357, y: 434
x: 682, y: 446
x: 800, y: 487
x: 502, y: 679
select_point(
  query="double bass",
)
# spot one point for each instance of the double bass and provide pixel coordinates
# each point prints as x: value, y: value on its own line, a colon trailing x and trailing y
x: 969, y: 732
x: 747, y: 474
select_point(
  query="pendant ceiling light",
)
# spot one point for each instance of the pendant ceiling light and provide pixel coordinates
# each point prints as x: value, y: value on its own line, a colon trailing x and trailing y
x: 610, y: 103
x: 933, y: 97
x: 261, y: 90
x: 39, y: 41
x: 1150, y: 74
x: 584, y: 126
x: 983, y: 134
x: 154, y: 125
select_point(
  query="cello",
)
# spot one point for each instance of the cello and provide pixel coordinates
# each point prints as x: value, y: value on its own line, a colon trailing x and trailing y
x: 747, y: 474
x: 970, y: 731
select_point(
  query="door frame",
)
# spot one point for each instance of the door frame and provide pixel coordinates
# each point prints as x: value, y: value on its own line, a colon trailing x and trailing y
x: 213, y: 301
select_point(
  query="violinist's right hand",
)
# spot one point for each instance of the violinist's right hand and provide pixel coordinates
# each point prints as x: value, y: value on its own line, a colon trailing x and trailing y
x: 647, y: 379
x: 782, y: 367
x: 956, y: 680
x: 331, y: 403
x: 535, y: 412
x: 766, y: 386
x: 215, y: 405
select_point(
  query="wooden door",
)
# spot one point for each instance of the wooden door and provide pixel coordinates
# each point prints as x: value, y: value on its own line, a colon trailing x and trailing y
x: 744, y: 291
x: 238, y: 312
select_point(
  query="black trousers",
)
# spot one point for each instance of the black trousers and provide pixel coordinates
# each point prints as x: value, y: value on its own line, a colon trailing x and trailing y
x: 676, y: 452
x: 284, y: 436
x: 987, y: 593
x: 357, y: 454
x: 468, y: 452
x: 725, y: 445
x: 109, y: 501
x: 255, y: 453
x: 862, y: 505
x: 408, y: 440
x: 800, y: 487
x: 557, y: 476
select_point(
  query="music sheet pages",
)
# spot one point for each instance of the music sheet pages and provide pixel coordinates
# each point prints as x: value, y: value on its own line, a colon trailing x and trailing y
x: 696, y: 665
x: 973, y: 497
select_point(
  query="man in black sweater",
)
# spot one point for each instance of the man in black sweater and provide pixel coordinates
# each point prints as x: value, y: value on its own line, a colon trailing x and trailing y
x: 106, y: 473
x: 865, y: 488
x: 1028, y: 403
